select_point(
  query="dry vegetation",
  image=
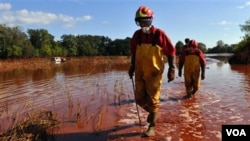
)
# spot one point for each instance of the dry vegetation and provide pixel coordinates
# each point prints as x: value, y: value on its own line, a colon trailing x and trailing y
x: 37, y: 63
x: 33, y: 127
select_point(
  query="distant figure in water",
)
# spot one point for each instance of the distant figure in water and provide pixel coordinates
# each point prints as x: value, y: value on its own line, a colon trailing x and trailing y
x: 193, y: 60
x: 186, y: 44
x: 148, y: 47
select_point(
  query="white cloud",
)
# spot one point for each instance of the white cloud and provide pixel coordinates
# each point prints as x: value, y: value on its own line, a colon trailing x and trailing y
x: 25, y: 17
x: 248, y: 3
x: 245, y: 5
x: 5, y: 6
x: 240, y: 7
x: 105, y: 22
x: 224, y: 22
x: 84, y: 18
x: 68, y: 25
x: 65, y: 18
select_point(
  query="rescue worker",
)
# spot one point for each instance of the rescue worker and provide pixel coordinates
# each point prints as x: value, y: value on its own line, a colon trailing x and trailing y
x: 148, y: 46
x: 183, y: 47
x: 193, y: 61
x: 186, y: 44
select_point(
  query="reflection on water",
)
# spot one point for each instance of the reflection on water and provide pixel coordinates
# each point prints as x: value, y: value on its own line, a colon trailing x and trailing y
x: 224, y: 97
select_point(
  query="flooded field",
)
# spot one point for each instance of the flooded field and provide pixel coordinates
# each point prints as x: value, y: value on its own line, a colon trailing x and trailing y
x: 96, y: 102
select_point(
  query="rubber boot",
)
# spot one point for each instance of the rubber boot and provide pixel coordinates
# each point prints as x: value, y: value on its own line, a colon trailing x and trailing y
x: 151, y: 120
x: 189, y: 94
x: 194, y: 91
x: 150, y: 132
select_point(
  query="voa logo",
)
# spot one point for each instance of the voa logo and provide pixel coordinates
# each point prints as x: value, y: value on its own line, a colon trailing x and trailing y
x: 236, y: 132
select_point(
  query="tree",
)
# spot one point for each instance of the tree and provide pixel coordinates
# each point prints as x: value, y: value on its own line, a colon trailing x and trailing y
x: 220, y: 43
x: 244, y: 44
x: 45, y: 51
x: 242, y: 49
x: 27, y: 49
x: 178, y: 46
x: 102, y: 45
x: 14, y: 42
x: 246, y: 27
x: 69, y: 42
x: 120, y: 47
x: 14, y: 52
x: 202, y: 47
x: 41, y: 38
x: 57, y: 50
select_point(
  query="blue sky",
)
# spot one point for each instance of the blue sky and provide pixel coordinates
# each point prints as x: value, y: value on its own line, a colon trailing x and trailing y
x: 206, y: 21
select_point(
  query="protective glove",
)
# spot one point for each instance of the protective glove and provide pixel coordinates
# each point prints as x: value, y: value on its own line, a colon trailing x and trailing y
x: 202, y: 75
x: 171, y: 69
x: 131, y: 71
x: 202, y: 72
x: 180, y: 73
x: 180, y: 69
x: 171, y: 74
x: 132, y: 67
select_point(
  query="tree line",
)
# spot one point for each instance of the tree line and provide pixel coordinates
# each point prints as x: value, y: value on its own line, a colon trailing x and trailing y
x: 14, y: 43
x: 242, y: 49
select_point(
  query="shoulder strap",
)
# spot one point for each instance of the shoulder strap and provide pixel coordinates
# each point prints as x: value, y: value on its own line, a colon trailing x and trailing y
x: 197, y: 52
x: 186, y: 52
x: 156, y: 37
x: 154, y: 40
x: 139, y: 38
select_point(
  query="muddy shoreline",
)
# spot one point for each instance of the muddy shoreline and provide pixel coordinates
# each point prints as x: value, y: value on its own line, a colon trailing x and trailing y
x: 40, y: 63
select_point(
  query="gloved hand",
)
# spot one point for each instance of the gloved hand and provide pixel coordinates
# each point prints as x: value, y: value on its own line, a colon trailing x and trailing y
x: 171, y: 74
x: 202, y: 72
x: 180, y: 69
x: 171, y: 69
x: 202, y: 75
x: 131, y: 71
x: 180, y: 73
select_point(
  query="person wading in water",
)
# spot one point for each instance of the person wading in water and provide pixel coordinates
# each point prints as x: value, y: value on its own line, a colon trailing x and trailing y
x: 148, y: 46
x: 193, y: 60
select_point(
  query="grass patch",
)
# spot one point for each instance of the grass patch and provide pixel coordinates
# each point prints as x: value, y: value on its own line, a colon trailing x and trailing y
x: 32, y: 128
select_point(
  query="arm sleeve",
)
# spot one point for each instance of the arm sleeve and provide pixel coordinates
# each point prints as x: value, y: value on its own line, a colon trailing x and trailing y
x: 133, y: 43
x: 202, y: 58
x: 167, y: 46
x: 182, y: 57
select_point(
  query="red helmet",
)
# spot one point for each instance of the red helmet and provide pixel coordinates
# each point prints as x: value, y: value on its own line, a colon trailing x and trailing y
x: 144, y: 14
x: 193, y: 44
